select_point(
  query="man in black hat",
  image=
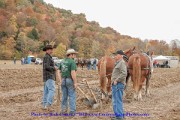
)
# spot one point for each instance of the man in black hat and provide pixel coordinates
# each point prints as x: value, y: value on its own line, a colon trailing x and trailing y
x: 48, y: 77
x: 118, y: 81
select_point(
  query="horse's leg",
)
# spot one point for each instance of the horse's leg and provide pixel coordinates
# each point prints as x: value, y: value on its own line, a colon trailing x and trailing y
x: 135, y: 95
x: 147, y: 85
x: 109, y: 85
x: 140, y: 88
x: 103, y: 86
x: 127, y: 81
x: 139, y: 98
x: 126, y: 86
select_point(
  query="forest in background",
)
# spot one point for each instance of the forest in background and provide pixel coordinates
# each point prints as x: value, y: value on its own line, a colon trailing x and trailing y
x: 28, y: 25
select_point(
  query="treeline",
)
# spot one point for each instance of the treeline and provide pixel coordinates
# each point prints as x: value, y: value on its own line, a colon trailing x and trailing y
x: 28, y: 25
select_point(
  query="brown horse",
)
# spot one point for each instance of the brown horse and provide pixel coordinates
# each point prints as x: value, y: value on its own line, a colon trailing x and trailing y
x: 140, y: 69
x: 105, y: 69
x: 81, y: 62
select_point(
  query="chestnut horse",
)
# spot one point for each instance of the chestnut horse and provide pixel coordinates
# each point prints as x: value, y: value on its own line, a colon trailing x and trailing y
x: 105, y: 69
x: 140, y: 68
x: 81, y: 62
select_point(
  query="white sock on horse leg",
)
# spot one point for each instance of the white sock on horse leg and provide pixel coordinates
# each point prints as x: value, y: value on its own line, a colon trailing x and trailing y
x: 147, y: 92
x: 139, y: 95
x: 135, y: 96
x: 103, y: 96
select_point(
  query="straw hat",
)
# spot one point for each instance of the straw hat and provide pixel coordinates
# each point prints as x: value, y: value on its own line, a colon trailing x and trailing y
x: 71, y: 51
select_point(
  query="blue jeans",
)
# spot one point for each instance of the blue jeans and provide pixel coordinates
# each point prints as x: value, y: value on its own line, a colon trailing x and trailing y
x: 68, y: 91
x: 94, y: 66
x: 89, y: 66
x: 49, y: 91
x: 117, y: 94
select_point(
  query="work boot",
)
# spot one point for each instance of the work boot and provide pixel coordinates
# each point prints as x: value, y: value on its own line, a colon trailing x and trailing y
x: 64, y: 113
x: 44, y: 107
x: 72, y: 114
x: 116, y: 118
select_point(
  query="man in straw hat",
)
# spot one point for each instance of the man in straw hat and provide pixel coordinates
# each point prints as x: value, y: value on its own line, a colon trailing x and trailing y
x: 48, y: 77
x: 69, y: 82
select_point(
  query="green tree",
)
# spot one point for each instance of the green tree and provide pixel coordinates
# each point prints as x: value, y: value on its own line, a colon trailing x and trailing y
x: 33, y: 34
x: 2, y: 4
x: 22, y: 2
x: 31, y: 22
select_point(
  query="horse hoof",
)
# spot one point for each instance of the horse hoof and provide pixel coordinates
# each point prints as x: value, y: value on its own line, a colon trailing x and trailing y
x: 148, y: 95
x: 139, y: 99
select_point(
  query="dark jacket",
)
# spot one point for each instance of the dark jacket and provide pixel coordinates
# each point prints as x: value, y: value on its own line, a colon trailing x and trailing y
x: 48, y: 68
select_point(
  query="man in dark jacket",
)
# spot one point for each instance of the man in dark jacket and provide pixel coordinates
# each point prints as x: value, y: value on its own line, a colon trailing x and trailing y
x: 49, y: 75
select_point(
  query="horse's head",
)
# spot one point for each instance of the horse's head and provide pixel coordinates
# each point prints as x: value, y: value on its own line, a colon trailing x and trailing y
x: 130, y: 51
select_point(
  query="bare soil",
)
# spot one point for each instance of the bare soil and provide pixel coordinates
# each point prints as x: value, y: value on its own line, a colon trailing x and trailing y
x: 21, y: 91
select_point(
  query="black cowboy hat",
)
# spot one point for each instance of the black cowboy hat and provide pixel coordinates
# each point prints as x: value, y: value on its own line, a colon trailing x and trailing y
x: 47, y: 47
x: 119, y: 52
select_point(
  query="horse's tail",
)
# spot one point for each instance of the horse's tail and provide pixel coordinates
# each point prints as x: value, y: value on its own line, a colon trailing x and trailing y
x: 102, y: 73
x: 136, y: 73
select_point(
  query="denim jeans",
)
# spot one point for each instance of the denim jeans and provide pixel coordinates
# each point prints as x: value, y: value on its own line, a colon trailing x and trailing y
x: 68, y: 91
x: 89, y: 66
x: 94, y: 66
x: 117, y: 94
x: 49, y: 91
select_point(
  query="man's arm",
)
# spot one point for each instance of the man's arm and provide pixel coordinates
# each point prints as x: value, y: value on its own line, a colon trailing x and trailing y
x: 73, y: 74
x: 47, y: 65
x: 123, y: 69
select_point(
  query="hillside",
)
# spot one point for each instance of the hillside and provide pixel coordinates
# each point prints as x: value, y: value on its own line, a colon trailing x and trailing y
x: 27, y: 25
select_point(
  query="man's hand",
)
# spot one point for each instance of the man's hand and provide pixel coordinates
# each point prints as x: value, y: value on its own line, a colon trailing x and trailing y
x: 75, y: 85
x: 59, y: 83
x: 115, y: 82
x: 55, y: 67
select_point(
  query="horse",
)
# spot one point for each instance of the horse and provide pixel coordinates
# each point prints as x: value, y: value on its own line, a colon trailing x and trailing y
x: 81, y: 62
x: 105, y: 69
x: 140, y: 68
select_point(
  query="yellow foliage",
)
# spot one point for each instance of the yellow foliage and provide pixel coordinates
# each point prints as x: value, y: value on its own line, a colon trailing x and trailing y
x: 60, y: 51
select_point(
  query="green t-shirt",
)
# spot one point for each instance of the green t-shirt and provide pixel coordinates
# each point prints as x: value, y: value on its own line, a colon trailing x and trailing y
x: 66, y: 66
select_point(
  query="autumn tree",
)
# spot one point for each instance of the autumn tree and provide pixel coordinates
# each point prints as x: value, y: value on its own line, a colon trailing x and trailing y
x: 8, y: 50
x: 47, y: 33
x: 60, y: 51
x: 12, y: 26
x: 97, y: 52
x: 21, y: 19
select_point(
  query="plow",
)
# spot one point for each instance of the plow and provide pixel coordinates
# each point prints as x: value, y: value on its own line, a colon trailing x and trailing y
x: 89, y: 93
x: 86, y: 94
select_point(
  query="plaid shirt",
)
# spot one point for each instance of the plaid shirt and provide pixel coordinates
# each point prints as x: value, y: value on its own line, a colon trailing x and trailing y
x: 48, y: 68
